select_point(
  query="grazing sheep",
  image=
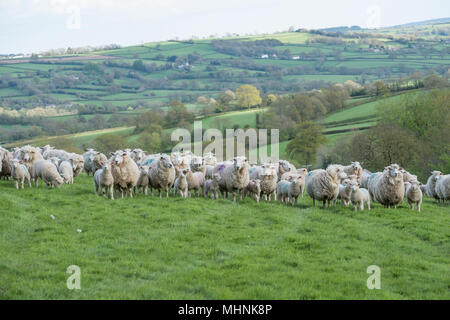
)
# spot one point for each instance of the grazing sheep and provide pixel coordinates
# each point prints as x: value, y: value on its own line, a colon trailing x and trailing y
x: 254, y: 189
x: 125, y: 173
x: 212, y: 186
x: 195, y: 181
x: 5, y: 163
x: 181, y: 185
x: 431, y: 185
x: 93, y: 161
x: 359, y: 196
x: 323, y: 185
x: 290, y: 190
x: 269, y: 179
x: 66, y: 169
x: 414, y: 195
x: 344, y: 192
x: 143, y: 181
x: 387, y: 187
x: 20, y: 174
x: 104, y: 180
x: 47, y: 171
x: 162, y: 174
x: 55, y: 161
x: 234, y: 176
x: 443, y: 187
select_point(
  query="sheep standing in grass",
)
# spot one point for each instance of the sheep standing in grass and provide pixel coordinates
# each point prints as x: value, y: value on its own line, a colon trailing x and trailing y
x: 137, y: 155
x: 143, y: 181
x: 29, y: 155
x: 443, y: 187
x: 234, y: 176
x: 269, y: 180
x: 104, y: 180
x: 162, y: 174
x: 303, y: 172
x: 47, y: 171
x: 55, y: 153
x: 20, y: 174
x: 323, y: 185
x: 414, y: 195
x: 93, y: 160
x: 365, y: 178
x: 431, y: 184
x: 66, y: 169
x: 359, y: 196
x: 181, y: 185
x: 387, y: 187
x: 125, y: 173
x: 198, y: 165
x: 78, y: 163
x: 290, y: 190
x: 212, y: 186
x: 344, y: 192
x: 284, y: 166
x: 195, y: 181
x: 5, y: 163
x: 254, y: 189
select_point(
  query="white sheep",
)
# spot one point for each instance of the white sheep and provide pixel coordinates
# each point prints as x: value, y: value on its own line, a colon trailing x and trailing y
x: 5, y: 163
x: 143, y: 181
x: 254, y: 189
x: 181, y: 185
x: 443, y: 187
x: 125, y: 173
x: 66, y: 169
x: 162, y: 174
x: 195, y: 181
x: 323, y: 185
x: 47, y: 171
x: 212, y: 186
x: 20, y: 174
x: 234, y: 176
x: 269, y: 180
x: 93, y: 160
x: 414, y: 195
x: 387, y: 187
x: 290, y: 190
x: 104, y: 180
x: 344, y: 192
x: 431, y: 184
x: 359, y: 196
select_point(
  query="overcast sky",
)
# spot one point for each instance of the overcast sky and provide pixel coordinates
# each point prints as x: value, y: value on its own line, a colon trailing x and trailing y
x: 36, y: 25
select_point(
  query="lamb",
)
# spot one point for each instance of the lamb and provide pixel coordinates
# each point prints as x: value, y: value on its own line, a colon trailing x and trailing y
x: 234, y: 176
x: 414, y: 195
x: 143, y: 181
x: 125, y: 173
x: 195, y: 181
x: 290, y: 190
x: 212, y: 186
x: 387, y: 187
x: 254, y: 189
x: 29, y: 155
x: 300, y: 172
x: 269, y: 181
x: 104, y: 180
x: 47, y: 171
x: 181, y: 185
x: 344, y: 192
x: 443, y: 187
x: 162, y: 174
x: 323, y: 185
x: 359, y: 196
x: 20, y: 174
x: 66, y: 169
x: 353, y: 169
x: 5, y: 163
x: 93, y: 160
x: 431, y: 184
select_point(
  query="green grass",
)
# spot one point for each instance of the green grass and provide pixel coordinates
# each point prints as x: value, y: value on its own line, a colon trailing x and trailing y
x: 151, y: 248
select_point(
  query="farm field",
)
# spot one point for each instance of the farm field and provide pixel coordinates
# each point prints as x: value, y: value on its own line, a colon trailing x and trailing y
x: 151, y: 248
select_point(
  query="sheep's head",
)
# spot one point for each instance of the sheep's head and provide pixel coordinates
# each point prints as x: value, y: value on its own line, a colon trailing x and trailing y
x: 210, y: 158
x: 436, y: 174
x: 302, y: 171
x: 197, y: 162
x: 354, y: 186
x: 336, y: 173
x: 144, y: 169
x: 356, y: 166
x: 297, y: 180
x: 216, y: 177
x: 138, y: 154
x: 117, y: 158
x: 284, y: 165
x: 165, y: 162
x: 58, y: 181
x: 106, y: 167
x: 415, y: 186
x: 239, y: 163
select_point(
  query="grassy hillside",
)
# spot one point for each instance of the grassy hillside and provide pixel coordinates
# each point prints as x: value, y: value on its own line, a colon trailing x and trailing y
x: 151, y: 248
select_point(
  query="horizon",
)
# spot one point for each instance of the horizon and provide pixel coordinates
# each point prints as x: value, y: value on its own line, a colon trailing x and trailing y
x: 80, y: 23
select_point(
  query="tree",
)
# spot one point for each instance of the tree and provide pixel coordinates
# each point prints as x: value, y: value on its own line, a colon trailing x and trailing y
x: 150, y: 141
x: 107, y: 143
x: 248, y: 96
x: 381, y: 89
x: 178, y: 115
x: 303, y: 148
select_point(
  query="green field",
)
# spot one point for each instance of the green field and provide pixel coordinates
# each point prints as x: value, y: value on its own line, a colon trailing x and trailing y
x: 151, y: 248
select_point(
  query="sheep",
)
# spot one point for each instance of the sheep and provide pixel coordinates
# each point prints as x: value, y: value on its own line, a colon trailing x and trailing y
x: 210, y: 159
x: 255, y: 172
x: 269, y: 179
x: 365, y: 178
x: 93, y: 160
x: 47, y: 171
x: 209, y: 171
x: 431, y: 185
x: 198, y: 165
x: 212, y: 186
x: 443, y: 187
x: 359, y: 196
x: 195, y: 181
x: 66, y: 169
x: 125, y: 173
x: 254, y: 189
x: 283, y: 167
x: 234, y: 176
x: 162, y: 174
x: 387, y: 187
x: 104, y: 180
x: 148, y: 159
x: 78, y: 163
x: 29, y: 155
x: 5, y: 163
x: 414, y: 195
x: 323, y: 185
x: 143, y: 181
x: 180, y: 162
x: 300, y: 172
x: 137, y: 155
x: 51, y: 153
x: 55, y: 161
x: 181, y: 185
x: 290, y: 190
x: 353, y: 169
x: 344, y: 192
x: 408, y: 177
x: 20, y: 174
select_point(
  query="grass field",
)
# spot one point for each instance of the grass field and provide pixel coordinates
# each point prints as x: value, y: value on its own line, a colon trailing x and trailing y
x: 151, y: 248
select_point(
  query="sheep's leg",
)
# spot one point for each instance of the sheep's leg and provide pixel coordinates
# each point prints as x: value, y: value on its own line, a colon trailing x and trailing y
x: 36, y: 182
x: 355, y: 207
x: 111, y: 192
x: 167, y: 192
x: 368, y: 205
x: 29, y: 182
x: 418, y: 205
x: 324, y: 204
x: 314, y: 203
x: 362, y: 205
x: 22, y: 182
x: 16, y: 184
x: 234, y: 196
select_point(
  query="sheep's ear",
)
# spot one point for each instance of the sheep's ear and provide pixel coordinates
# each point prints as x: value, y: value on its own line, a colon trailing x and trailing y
x: 124, y: 154
x: 111, y: 153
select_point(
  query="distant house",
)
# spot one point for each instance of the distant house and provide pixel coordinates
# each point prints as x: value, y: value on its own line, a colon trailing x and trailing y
x: 295, y: 58
x: 264, y: 56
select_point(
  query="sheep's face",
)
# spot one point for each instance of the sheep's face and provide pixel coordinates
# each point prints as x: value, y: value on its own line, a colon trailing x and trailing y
x: 340, y: 174
x: 144, y: 170
x: 210, y: 158
x: 165, y: 162
x: 138, y: 154
x: 355, y: 187
x: 415, y: 186
x: 216, y: 177
x: 106, y: 167
x: 284, y: 165
x: 356, y: 166
x: 58, y: 181
x: 393, y: 172
x: 302, y: 171
x: 436, y: 175
x: 239, y: 162
x: 118, y: 158
x: 26, y: 155
x: 197, y: 162
x: 297, y: 180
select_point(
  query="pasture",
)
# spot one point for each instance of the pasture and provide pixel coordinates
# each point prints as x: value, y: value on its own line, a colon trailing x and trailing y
x: 151, y: 248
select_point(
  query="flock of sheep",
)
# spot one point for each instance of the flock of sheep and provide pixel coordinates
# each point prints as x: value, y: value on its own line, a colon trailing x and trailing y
x: 129, y: 171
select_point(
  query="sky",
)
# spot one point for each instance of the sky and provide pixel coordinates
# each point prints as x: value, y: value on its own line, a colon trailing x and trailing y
x: 31, y: 26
